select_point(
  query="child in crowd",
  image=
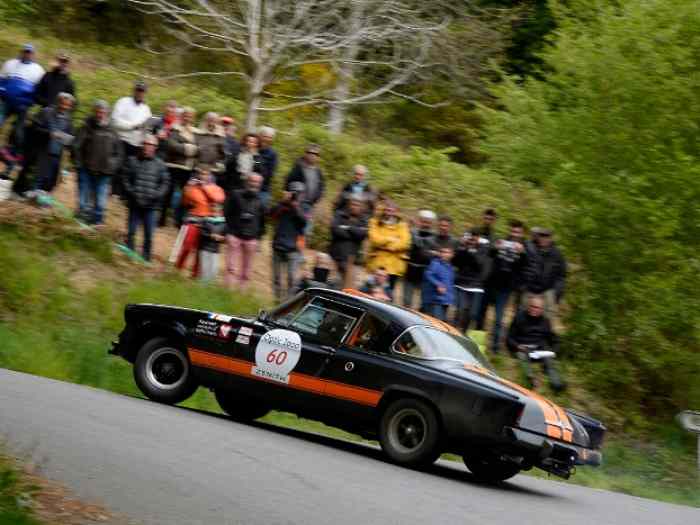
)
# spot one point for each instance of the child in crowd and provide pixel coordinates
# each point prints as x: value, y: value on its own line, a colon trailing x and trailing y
x: 377, y: 285
x: 438, y: 284
x: 212, y: 234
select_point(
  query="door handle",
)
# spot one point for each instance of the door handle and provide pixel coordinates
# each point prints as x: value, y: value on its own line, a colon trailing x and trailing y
x: 329, y: 349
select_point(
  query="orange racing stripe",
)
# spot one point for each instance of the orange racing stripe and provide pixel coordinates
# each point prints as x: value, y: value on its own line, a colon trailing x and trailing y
x: 297, y: 381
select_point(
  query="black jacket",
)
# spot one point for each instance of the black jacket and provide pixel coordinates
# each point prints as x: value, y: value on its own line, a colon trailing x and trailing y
x: 347, y: 234
x: 245, y: 215
x: 546, y: 270
x: 270, y: 161
x: 362, y: 190
x: 297, y: 175
x: 290, y: 225
x: 507, y: 267
x: 472, y: 266
x: 145, y: 182
x: 209, y: 227
x: 50, y: 85
x: 528, y: 330
x: 422, y: 244
x: 448, y: 241
x: 234, y: 178
x: 98, y: 148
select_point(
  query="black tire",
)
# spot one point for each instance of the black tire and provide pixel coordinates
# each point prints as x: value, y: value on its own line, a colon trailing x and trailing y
x: 240, y: 407
x: 163, y: 372
x: 490, y: 469
x: 409, y: 433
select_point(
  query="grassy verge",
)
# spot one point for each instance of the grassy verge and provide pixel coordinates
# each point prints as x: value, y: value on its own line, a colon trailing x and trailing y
x: 61, y: 302
x: 15, y: 495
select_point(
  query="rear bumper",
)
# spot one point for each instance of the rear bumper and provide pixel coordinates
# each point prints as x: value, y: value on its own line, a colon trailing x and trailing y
x: 552, y: 455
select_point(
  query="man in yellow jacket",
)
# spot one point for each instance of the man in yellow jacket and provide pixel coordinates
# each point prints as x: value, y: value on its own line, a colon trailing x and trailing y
x: 389, y: 242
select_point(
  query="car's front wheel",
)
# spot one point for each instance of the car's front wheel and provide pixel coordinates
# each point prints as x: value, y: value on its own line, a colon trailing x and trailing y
x: 240, y: 407
x: 490, y: 468
x: 409, y: 433
x: 163, y: 373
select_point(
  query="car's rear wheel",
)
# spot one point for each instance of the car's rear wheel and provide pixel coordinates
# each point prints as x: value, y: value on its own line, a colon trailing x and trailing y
x: 490, y: 468
x: 163, y: 372
x: 240, y: 407
x: 409, y: 433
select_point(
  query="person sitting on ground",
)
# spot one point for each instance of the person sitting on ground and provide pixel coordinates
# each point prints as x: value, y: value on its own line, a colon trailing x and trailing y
x: 531, y: 331
x: 202, y: 198
x: 286, y: 241
x: 348, y: 231
x: 389, y: 242
x: 377, y: 285
x: 98, y: 157
x: 438, y: 284
x: 358, y: 187
x: 145, y: 183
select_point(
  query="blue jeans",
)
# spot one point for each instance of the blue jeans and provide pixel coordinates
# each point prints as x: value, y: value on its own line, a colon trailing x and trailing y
x: 138, y: 216
x: 499, y: 299
x: 467, y: 308
x: 438, y: 311
x: 92, y: 195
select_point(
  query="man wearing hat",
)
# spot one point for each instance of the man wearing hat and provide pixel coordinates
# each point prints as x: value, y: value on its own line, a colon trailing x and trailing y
x: 545, y: 273
x: 129, y: 118
x: 306, y: 170
x: 18, y: 80
x: 56, y: 81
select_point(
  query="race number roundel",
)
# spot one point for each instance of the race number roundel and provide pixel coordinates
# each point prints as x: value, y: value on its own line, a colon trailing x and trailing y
x: 276, y: 355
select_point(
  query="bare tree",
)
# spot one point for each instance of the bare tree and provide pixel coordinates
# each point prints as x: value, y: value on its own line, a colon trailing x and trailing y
x: 273, y: 39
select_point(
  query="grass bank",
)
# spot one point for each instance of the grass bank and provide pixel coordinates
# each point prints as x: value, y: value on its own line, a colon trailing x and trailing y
x: 15, y: 496
x: 62, y: 294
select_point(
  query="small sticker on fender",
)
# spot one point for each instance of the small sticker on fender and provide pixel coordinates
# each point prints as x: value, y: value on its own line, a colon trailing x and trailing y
x: 243, y: 339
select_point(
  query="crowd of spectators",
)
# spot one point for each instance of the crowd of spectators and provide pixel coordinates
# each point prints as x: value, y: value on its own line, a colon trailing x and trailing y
x: 217, y: 190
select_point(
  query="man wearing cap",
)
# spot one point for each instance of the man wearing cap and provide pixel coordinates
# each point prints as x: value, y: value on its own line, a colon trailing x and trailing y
x: 129, y: 118
x: 56, y: 81
x: 98, y: 156
x: 306, y: 170
x: 18, y: 81
x: 545, y: 273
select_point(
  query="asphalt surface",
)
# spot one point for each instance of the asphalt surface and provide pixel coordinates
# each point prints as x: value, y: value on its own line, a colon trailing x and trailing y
x: 167, y: 465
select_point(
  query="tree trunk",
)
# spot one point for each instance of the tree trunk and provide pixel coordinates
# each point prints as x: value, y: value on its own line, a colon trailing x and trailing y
x: 251, y: 116
x: 336, y: 114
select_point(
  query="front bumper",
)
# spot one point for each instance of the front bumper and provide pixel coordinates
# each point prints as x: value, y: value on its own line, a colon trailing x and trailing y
x: 554, y: 456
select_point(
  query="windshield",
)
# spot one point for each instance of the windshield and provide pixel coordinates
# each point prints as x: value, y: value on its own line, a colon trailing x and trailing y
x: 425, y: 342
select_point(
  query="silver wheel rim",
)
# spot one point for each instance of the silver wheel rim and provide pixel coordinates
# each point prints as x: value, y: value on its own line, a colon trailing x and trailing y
x: 167, y: 368
x: 408, y: 430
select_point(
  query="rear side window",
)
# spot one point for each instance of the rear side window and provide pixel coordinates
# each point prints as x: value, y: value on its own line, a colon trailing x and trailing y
x: 368, y: 333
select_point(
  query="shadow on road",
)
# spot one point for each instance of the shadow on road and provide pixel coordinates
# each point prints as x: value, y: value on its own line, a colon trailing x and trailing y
x: 444, y: 469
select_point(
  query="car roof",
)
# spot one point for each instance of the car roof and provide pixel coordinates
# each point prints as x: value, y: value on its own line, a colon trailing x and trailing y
x: 405, y: 317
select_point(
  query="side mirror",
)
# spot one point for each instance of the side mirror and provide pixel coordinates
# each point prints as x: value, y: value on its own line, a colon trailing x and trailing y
x: 263, y: 315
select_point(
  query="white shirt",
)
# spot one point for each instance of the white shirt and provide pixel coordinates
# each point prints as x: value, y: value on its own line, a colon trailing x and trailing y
x: 128, y: 118
x: 31, y: 71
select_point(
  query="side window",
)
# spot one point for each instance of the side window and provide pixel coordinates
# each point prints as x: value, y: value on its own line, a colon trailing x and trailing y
x: 326, y: 322
x: 288, y: 312
x: 367, y: 334
x: 406, y: 344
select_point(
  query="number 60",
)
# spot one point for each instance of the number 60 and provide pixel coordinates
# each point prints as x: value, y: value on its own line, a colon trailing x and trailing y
x: 277, y: 358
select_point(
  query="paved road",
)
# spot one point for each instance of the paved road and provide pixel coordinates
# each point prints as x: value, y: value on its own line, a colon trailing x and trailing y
x: 174, y: 466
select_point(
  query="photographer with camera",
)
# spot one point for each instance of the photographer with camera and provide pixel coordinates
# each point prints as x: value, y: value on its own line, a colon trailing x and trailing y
x: 472, y: 264
x: 245, y: 221
x: 285, y: 243
x: 508, y: 262
x: 531, y: 339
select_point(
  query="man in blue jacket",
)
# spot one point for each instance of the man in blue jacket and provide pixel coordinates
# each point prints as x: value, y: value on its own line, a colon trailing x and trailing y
x: 18, y: 80
x: 438, y: 284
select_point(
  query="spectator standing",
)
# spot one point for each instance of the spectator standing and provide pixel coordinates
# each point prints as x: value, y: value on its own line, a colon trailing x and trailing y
x: 56, y: 81
x: 247, y: 161
x: 285, y: 243
x: 245, y: 220
x: 19, y: 78
x: 509, y: 259
x: 203, y: 199
x: 270, y: 160
x: 389, y: 243
x: 130, y: 117
x: 444, y: 237
x: 423, y: 248
x: 306, y: 170
x: 212, y: 235
x: 358, y: 187
x: 486, y: 230
x: 145, y: 183
x: 531, y: 333
x: 348, y: 231
x: 546, y: 272
x: 180, y: 159
x: 162, y: 127
x: 98, y: 156
x: 232, y: 146
x: 438, y: 284
x: 472, y: 265
x: 53, y: 130
x: 211, y: 144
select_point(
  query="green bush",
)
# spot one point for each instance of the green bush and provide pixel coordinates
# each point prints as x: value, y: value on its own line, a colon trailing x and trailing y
x: 613, y: 130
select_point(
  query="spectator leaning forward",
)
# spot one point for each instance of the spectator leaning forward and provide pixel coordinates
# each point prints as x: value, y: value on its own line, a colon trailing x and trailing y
x: 98, y: 157
x: 145, y: 183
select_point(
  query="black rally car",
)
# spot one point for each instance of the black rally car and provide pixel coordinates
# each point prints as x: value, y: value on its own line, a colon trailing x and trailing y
x: 363, y: 365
